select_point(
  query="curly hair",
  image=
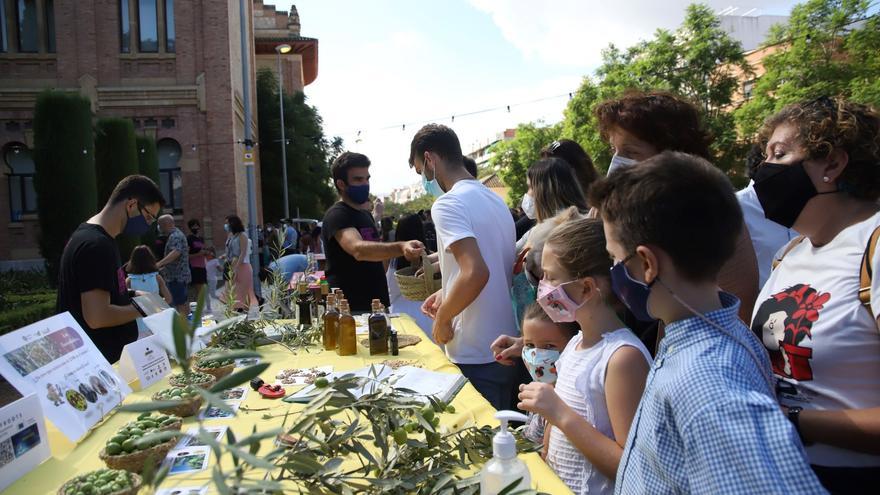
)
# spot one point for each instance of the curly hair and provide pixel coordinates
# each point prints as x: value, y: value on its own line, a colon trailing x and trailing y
x: 666, y: 121
x: 827, y: 124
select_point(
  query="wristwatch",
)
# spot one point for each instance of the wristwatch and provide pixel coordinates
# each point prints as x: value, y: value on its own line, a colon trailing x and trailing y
x: 794, y: 415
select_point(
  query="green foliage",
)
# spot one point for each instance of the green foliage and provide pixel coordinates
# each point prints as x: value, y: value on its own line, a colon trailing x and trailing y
x: 398, y: 210
x: 19, y: 311
x: 65, y: 171
x: 148, y: 157
x: 513, y: 158
x: 116, y: 157
x: 309, y: 153
x: 823, y: 51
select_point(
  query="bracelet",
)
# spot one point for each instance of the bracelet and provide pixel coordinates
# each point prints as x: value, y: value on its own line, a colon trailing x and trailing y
x: 794, y: 414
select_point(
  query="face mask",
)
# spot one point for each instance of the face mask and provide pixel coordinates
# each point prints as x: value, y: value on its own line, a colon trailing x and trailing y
x: 632, y: 292
x: 432, y: 187
x: 784, y: 191
x: 541, y: 364
x: 136, y: 226
x: 618, y: 162
x: 528, y: 206
x: 226, y: 227
x: 358, y: 194
x: 556, y: 303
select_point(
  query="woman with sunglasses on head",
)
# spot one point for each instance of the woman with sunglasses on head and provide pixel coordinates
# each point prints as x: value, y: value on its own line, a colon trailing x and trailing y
x: 817, y: 313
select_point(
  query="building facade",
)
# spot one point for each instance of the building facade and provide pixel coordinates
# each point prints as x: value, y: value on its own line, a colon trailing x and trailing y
x: 171, y: 66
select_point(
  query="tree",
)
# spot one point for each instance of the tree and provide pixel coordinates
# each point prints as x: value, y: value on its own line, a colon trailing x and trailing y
x: 309, y: 152
x: 513, y: 158
x: 65, y: 171
x: 148, y: 157
x: 828, y: 48
x: 397, y: 210
x: 116, y: 158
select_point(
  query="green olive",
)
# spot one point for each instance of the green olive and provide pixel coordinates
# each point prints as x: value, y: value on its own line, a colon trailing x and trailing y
x: 114, y: 448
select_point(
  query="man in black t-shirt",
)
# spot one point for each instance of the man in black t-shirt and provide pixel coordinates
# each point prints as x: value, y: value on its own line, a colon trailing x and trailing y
x: 351, y: 239
x: 91, y: 283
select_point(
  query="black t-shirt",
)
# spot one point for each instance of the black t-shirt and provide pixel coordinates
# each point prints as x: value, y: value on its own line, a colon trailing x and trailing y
x: 91, y: 261
x: 361, y: 281
x: 523, y: 225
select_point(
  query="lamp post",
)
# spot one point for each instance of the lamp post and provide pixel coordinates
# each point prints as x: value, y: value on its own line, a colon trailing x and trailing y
x: 281, y: 49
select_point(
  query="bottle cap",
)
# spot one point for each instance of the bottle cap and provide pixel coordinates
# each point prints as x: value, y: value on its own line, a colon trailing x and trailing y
x: 504, y: 443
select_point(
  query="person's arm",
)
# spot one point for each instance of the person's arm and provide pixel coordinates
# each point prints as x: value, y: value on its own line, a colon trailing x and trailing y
x: 99, y: 313
x: 472, y: 277
x: 169, y: 258
x: 739, y: 275
x: 853, y: 429
x: 351, y: 241
x: 624, y: 383
x: 163, y: 289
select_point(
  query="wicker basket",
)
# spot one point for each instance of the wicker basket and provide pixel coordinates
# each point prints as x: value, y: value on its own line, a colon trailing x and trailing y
x: 417, y: 288
x: 187, y: 408
x: 136, y: 484
x: 217, y: 372
x: 136, y: 461
x: 204, y: 385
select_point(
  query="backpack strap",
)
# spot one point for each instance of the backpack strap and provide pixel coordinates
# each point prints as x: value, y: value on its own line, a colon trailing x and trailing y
x: 866, y: 271
x: 788, y: 247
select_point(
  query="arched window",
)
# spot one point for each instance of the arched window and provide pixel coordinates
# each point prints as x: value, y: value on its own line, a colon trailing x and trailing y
x: 169, y: 173
x: 20, y: 175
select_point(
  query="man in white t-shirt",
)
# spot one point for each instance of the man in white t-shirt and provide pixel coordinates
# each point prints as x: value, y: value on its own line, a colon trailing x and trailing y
x: 475, y: 243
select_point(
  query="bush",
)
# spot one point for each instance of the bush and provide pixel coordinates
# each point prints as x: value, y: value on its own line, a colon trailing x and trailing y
x: 65, y: 171
x: 148, y: 157
x: 25, y: 298
x: 116, y: 158
x: 20, y: 316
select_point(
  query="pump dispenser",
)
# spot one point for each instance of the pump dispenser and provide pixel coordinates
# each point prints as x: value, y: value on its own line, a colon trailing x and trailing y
x: 504, y: 467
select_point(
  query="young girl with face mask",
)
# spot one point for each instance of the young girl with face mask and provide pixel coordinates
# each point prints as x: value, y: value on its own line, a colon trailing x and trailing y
x: 601, y: 371
x: 543, y: 342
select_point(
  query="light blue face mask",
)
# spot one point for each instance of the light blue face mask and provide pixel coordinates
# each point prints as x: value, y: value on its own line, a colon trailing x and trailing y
x: 432, y: 187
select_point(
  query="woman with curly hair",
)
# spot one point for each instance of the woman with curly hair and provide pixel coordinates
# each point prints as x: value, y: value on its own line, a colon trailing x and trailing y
x: 817, y: 313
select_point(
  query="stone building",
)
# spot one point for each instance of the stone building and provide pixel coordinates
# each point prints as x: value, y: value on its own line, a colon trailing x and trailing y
x: 171, y: 66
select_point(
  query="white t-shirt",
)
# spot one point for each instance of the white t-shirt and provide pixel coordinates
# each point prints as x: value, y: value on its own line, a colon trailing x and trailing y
x: 767, y: 235
x: 824, y: 345
x: 581, y: 384
x: 213, y: 269
x: 470, y: 209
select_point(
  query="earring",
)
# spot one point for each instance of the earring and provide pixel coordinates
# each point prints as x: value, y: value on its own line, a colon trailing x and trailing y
x: 826, y: 179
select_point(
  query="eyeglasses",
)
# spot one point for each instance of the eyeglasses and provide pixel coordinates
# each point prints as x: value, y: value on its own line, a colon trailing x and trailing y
x: 824, y: 101
x: 149, y: 217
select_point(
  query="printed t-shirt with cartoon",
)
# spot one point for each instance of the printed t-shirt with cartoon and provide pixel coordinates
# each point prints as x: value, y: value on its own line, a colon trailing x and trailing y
x: 824, y: 344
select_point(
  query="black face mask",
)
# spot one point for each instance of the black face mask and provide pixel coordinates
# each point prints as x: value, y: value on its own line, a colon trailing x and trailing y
x: 784, y: 191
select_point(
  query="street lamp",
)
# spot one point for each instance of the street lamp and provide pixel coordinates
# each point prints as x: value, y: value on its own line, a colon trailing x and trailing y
x: 281, y: 49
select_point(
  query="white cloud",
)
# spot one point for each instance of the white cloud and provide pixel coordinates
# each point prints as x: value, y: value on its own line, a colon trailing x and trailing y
x: 572, y: 33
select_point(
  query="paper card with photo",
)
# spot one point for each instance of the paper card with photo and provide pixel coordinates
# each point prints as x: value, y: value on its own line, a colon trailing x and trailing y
x: 187, y: 460
x: 183, y: 490
x: 24, y: 444
x: 192, y: 439
x: 213, y: 412
x: 235, y: 393
x: 55, y: 359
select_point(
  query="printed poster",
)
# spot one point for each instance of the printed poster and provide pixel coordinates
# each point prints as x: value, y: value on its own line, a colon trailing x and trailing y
x: 55, y: 359
x: 23, y: 441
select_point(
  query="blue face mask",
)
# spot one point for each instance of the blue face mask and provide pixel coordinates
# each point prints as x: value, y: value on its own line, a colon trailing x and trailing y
x: 137, y: 225
x: 226, y: 227
x: 432, y: 187
x: 358, y: 194
x: 632, y: 292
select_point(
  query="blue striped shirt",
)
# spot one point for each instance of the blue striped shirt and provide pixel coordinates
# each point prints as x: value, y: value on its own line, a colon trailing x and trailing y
x: 707, y: 422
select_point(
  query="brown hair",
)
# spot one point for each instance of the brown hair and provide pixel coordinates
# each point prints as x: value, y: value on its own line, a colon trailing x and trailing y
x: 554, y: 187
x: 142, y: 261
x: 536, y: 312
x: 826, y: 124
x: 580, y: 246
x: 579, y: 160
x: 666, y: 121
x: 677, y: 202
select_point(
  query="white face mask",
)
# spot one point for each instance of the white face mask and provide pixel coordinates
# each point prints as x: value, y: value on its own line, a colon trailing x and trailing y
x: 528, y: 206
x: 618, y: 162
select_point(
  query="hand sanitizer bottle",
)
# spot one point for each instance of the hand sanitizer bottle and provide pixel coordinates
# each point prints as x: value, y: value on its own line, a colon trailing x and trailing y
x: 504, y: 467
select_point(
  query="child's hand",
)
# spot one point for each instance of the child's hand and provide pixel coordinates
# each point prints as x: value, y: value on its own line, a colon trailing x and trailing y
x: 541, y: 398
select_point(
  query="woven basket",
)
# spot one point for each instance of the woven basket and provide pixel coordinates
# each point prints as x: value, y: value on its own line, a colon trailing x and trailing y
x: 217, y: 372
x: 204, y: 385
x: 417, y: 288
x: 135, y: 462
x: 185, y: 409
x: 136, y: 484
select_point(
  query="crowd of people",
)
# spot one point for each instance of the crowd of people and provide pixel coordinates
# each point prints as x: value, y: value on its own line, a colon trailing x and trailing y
x: 664, y: 332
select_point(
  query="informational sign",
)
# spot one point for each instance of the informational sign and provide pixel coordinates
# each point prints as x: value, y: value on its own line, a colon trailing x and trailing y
x: 55, y: 359
x: 23, y: 441
x: 144, y: 360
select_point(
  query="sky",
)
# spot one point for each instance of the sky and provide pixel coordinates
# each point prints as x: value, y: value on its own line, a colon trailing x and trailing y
x: 386, y: 63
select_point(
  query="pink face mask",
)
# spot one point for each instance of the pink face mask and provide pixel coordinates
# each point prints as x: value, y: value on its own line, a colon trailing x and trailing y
x: 556, y: 303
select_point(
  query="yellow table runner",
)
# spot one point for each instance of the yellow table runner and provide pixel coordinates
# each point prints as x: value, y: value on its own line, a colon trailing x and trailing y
x: 69, y: 460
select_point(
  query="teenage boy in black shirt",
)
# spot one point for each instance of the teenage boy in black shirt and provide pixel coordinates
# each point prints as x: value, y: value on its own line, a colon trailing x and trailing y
x: 91, y: 283
x: 351, y: 239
